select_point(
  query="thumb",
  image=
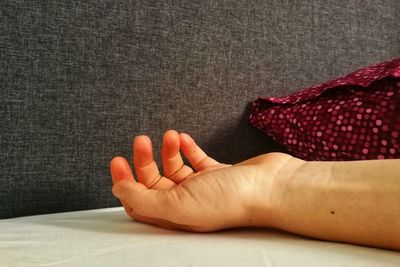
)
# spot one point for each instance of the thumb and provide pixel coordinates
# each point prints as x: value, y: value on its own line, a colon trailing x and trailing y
x: 143, y: 201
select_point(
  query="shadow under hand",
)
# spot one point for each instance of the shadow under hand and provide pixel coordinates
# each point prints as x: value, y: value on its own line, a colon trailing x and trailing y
x: 115, y: 221
x: 111, y: 222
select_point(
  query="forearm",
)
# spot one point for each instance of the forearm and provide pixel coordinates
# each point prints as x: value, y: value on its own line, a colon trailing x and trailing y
x: 356, y: 202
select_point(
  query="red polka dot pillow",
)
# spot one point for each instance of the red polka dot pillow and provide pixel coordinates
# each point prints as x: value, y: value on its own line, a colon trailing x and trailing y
x: 351, y: 118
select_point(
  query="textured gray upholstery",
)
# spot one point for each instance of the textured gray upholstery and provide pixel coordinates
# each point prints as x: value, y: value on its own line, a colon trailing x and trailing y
x: 79, y: 79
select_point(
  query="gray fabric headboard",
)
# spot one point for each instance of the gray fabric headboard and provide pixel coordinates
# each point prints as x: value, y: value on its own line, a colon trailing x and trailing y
x: 79, y: 79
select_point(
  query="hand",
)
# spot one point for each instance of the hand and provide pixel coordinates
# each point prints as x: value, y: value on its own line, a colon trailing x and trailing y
x: 205, y: 197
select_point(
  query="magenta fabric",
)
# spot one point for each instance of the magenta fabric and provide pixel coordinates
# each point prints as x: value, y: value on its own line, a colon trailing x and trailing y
x: 356, y: 117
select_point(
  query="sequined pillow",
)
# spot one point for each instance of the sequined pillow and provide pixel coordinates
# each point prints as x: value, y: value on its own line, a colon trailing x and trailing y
x: 351, y: 118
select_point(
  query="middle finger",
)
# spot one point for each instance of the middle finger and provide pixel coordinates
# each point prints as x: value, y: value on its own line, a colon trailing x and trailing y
x: 145, y: 166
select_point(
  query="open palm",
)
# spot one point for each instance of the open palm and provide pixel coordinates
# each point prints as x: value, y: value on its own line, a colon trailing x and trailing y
x: 204, y: 197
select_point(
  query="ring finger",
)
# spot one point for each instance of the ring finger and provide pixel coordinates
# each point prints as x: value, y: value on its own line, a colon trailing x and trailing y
x: 173, y: 165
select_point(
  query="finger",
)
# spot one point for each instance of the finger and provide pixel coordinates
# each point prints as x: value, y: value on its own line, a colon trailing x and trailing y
x: 159, y: 222
x: 145, y: 202
x: 120, y: 170
x: 145, y: 166
x: 172, y: 162
x: 196, y: 156
x: 158, y: 207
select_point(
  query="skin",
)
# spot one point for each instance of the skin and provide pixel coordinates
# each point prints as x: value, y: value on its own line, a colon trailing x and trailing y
x: 354, y: 202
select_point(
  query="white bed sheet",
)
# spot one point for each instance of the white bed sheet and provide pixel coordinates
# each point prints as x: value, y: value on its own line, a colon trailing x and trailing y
x: 108, y: 237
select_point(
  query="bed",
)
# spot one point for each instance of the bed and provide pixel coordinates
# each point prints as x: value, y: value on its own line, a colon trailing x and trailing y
x: 80, y: 79
x: 108, y: 237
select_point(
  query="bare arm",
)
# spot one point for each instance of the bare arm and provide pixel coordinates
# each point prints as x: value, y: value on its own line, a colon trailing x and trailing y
x: 355, y: 201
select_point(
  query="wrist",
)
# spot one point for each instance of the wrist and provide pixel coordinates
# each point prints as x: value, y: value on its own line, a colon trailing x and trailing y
x: 276, y: 170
